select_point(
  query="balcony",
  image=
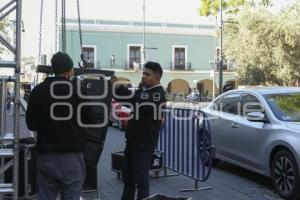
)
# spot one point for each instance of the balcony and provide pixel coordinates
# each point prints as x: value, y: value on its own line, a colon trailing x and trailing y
x: 227, y: 66
x: 183, y: 67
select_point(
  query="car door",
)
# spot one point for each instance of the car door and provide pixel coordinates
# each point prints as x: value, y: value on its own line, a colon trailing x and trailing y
x: 249, y: 137
x: 221, y: 118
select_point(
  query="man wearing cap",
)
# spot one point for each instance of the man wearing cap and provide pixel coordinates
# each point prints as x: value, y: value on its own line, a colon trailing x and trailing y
x: 52, y: 112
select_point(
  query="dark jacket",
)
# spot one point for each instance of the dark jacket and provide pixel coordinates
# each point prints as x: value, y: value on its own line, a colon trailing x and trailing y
x: 143, y: 128
x: 56, y: 135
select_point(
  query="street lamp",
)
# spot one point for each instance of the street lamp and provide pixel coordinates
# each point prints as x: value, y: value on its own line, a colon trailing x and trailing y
x: 221, y: 49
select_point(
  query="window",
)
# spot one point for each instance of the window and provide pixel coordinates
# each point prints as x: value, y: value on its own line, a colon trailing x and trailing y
x: 230, y: 103
x: 134, y: 55
x: 89, y: 56
x: 250, y: 103
x: 179, y: 58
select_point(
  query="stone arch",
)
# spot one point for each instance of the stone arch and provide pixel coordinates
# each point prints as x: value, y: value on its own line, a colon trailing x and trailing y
x: 178, y: 88
x: 206, y: 88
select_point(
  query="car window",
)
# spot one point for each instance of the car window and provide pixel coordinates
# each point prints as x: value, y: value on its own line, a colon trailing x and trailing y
x: 229, y: 103
x: 215, y: 104
x: 286, y: 107
x: 250, y: 103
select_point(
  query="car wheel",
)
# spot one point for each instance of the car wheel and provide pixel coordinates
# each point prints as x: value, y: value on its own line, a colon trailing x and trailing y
x: 206, y: 151
x: 285, y: 177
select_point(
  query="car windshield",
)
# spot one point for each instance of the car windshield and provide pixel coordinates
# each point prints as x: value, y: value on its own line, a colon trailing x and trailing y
x: 286, y: 107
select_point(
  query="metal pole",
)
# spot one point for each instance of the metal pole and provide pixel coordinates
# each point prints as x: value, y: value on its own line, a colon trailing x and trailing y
x: 26, y: 177
x: 3, y: 99
x: 143, y: 46
x: 7, y: 5
x: 7, y: 13
x: 17, y: 98
x: 3, y: 108
x: 221, y: 49
x: 214, y: 87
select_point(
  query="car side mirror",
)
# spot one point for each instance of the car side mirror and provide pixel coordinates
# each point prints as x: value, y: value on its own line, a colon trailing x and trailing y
x: 256, y: 117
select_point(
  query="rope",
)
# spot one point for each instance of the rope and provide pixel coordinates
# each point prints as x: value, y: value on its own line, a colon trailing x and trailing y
x: 63, y: 25
x: 40, y: 31
x: 56, y: 22
x: 79, y: 26
x: 83, y: 63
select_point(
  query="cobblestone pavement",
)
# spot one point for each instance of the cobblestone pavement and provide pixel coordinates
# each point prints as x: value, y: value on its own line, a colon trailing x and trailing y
x: 228, y: 182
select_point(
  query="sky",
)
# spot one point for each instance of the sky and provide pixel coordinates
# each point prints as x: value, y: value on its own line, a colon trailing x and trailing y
x: 180, y: 11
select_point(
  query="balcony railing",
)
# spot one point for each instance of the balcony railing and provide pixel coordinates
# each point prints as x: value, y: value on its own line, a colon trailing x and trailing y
x: 185, y: 67
x: 227, y: 66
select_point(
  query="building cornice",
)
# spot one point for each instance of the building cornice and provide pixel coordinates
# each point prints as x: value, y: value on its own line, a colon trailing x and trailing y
x: 96, y: 25
x: 128, y: 29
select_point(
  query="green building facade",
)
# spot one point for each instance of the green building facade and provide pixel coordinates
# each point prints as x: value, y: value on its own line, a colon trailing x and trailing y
x: 185, y: 51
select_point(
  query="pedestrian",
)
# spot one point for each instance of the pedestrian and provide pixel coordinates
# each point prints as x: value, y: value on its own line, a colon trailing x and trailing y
x: 52, y: 112
x: 143, y: 128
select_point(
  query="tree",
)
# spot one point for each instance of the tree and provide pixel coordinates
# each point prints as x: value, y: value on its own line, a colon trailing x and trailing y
x: 211, y: 7
x: 4, y: 29
x: 247, y: 43
x: 265, y: 48
x: 287, y: 36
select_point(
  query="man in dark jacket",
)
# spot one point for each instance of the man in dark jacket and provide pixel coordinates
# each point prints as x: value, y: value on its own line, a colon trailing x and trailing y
x: 143, y: 130
x: 52, y: 112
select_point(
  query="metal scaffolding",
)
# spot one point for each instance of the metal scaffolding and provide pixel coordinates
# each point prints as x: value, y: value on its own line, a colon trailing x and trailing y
x: 9, y: 143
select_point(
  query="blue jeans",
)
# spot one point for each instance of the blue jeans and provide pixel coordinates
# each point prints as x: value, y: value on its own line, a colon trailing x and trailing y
x: 60, y: 173
x: 136, y: 173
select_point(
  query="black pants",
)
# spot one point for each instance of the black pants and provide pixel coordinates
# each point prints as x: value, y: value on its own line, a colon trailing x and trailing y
x: 136, y: 172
